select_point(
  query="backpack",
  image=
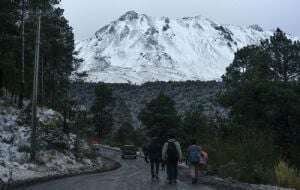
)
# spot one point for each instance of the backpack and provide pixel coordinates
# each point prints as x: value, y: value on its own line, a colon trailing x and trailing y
x: 204, y: 158
x: 172, y: 152
x: 194, y: 155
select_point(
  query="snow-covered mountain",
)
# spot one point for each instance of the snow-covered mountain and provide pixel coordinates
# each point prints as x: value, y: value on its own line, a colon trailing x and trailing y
x: 137, y: 48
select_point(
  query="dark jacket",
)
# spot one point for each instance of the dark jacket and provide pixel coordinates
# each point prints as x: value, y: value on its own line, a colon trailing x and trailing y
x: 153, y: 151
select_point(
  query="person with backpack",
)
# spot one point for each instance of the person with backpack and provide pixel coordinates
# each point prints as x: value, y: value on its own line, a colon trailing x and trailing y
x: 171, y: 155
x: 194, y: 158
x: 153, y: 153
x: 203, y: 161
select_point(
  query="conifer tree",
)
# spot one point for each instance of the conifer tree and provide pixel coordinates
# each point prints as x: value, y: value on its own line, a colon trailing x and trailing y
x: 9, y: 45
x: 160, y: 117
x: 284, y: 57
x: 102, y: 117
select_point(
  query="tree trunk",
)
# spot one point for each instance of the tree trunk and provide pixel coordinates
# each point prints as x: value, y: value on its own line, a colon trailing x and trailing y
x: 42, y: 83
x: 21, y: 97
x: 35, y: 90
x: 1, y: 83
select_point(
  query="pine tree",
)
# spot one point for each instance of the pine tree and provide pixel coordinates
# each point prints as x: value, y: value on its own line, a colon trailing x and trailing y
x: 57, y: 57
x: 57, y: 50
x: 160, y: 117
x: 22, y: 80
x: 195, y: 124
x: 125, y: 134
x: 9, y: 45
x: 284, y: 54
x: 102, y: 116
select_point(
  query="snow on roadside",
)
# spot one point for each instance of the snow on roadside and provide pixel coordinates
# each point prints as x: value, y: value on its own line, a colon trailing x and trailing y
x: 15, y: 148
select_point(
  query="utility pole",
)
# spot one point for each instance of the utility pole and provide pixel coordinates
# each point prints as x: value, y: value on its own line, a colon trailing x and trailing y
x: 35, y: 88
x: 23, y: 55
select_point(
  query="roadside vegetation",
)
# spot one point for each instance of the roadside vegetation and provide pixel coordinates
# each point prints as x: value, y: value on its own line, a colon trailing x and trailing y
x: 262, y: 93
x: 287, y: 176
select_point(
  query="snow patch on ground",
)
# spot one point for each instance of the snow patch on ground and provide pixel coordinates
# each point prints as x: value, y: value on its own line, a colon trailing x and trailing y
x: 15, y: 146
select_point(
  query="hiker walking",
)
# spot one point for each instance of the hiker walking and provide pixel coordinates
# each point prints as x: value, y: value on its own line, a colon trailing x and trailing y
x: 193, y: 159
x: 153, y: 153
x: 203, y: 161
x: 171, y: 155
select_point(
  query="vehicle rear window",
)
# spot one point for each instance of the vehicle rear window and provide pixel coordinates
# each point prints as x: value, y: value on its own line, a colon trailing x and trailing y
x: 130, y: 148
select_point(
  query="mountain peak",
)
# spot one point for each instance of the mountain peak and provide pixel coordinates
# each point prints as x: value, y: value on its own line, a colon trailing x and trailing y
x: 129, y: 15
x: 256, y: 27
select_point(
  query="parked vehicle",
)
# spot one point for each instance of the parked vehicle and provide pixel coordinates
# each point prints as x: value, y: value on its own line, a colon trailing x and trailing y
x: 129, y: 152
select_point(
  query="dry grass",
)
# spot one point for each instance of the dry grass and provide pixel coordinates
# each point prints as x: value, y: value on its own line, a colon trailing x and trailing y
x: 287, y: 176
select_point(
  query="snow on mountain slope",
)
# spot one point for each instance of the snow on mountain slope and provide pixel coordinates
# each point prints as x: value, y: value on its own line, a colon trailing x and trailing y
x: 137, y: 48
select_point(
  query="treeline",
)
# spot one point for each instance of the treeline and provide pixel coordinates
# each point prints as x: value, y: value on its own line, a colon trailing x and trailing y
x: 57, y: 56
x: 148, y: 85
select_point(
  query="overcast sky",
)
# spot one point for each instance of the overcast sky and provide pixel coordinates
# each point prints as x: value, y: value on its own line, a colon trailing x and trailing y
x: 87, y: 16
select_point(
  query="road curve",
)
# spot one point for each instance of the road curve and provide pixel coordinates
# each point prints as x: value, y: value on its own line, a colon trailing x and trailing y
x: 133, y: 175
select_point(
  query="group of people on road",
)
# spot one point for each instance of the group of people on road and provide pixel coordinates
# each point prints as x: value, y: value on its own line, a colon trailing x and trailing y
x: 170, y: 154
